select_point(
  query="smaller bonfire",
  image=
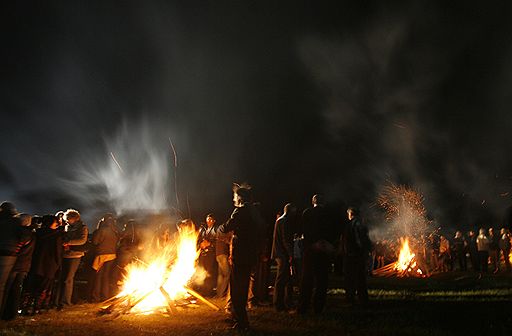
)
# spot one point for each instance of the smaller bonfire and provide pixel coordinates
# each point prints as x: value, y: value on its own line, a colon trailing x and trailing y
x: 406, y: 265
x: 405, y: 218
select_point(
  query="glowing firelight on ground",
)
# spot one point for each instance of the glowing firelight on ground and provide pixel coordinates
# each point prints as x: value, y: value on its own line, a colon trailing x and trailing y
x: 166, y: 273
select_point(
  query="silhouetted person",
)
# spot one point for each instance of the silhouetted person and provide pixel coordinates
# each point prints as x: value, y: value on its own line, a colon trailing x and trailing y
x: 505, y: 245
x: 247, y: 226
x: 282, y: 253
x: 494, y: 250
x: 20, y: 270
x: 318, y: 249
x: 355, y: 247
x: 10, y: 238
x: 46, y: 261
x: 105, y: 240
x: 444, y: 254
x: 473, y: 251
x: 459, y: 249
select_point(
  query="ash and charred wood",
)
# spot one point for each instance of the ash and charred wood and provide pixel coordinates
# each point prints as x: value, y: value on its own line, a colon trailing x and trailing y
x: 170, y: 302
x: 136, y: 302
x: 201, y: 298
x: 114, y: 302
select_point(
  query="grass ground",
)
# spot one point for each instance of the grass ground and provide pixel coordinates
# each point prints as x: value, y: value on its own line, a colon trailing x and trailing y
x: 445, y: 304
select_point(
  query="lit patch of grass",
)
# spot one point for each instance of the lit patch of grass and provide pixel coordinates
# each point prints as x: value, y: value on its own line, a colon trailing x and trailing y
x: 500, y: 294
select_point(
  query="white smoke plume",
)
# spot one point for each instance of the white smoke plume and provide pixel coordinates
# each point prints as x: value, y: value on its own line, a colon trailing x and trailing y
x: 132, y: 173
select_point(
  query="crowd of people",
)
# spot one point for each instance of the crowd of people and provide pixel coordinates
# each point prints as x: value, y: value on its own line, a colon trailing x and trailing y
x: 40, y: 257
x: 485, y: 252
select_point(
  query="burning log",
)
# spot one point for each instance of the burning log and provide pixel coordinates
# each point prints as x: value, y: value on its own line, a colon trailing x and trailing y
x: 201, y: 298
x: 172, y: 305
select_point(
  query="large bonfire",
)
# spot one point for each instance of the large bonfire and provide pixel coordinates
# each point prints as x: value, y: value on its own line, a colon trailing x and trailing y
x: 406, y: 219
x: 161, y: 282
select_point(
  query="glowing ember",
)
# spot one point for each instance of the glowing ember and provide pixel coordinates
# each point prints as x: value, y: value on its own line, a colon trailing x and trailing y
x: 157, y: 284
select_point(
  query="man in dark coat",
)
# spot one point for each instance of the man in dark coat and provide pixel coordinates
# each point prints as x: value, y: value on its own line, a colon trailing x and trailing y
x: 355, y: 246
x: 459, y: 249
x: 473, y: 251
x: 247, y: 226
x: 282, y: 253
x: 318, y: 230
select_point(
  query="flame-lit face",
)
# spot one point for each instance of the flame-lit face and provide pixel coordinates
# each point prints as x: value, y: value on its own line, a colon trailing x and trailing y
x: 237, y: 200
x: 210, y: 221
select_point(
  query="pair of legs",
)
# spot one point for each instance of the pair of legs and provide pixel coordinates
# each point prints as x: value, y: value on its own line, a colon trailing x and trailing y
x: 315, y: 273
x: 283, y: 288
x: 69, y: 268
x: 354, y: 268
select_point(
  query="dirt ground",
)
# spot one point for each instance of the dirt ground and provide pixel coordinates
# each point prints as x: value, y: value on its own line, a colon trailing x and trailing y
x: 444, y: 305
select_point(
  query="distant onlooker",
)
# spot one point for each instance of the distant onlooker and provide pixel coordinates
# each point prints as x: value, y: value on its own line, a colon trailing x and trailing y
x: 459, y: 250
x: 482, y: 243
x: 473, y: 251
x: 505, y: 246
x: 494, y: 250
x: 444, y: 253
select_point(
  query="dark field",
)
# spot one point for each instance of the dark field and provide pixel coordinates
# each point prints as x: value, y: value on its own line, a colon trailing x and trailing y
x: 445, y: 304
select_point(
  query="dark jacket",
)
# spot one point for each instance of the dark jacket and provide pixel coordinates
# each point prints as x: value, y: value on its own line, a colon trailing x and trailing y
x: 282, y: 243
x: 105, y: 240
x: 354, y: 240
x: 25, y: 251
x: 10, y: 234
x: 48, y: 252
x: 248, y: 233
x: 317, y: 226
x: 76, y: 237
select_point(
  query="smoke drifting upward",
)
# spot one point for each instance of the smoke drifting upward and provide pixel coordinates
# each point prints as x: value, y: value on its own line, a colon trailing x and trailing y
x: 382, y: 83
x: 132, y: 173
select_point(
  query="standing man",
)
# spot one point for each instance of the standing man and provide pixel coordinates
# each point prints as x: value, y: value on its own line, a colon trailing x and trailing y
x: 494, y: 250
x: 459, y: 247
x: 318, y: 248
x: 282, y: 253
x: 247, y: 226
x: 207, y: 241
x: 355, y: 246
x: 75, y: 237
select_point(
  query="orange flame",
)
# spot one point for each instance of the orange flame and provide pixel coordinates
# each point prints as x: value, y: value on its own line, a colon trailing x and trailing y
x: 406, y: 263
x: 170, y: 270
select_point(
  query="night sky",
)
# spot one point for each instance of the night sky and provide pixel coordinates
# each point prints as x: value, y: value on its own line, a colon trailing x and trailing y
x: 293, y: 98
